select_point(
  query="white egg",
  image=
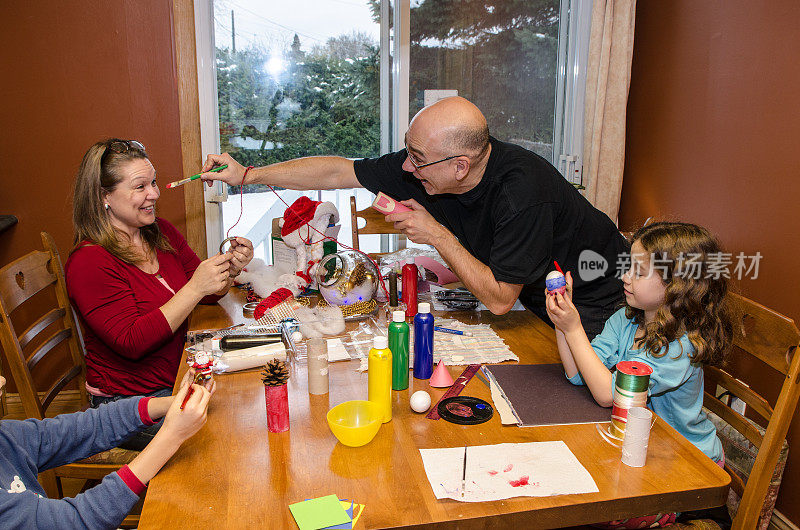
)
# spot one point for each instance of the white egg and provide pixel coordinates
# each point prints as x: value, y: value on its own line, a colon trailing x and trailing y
x: 297, y: 336
x: 420, y: 401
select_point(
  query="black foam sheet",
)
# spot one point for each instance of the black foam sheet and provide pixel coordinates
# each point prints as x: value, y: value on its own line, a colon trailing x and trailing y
x: 541, y: 395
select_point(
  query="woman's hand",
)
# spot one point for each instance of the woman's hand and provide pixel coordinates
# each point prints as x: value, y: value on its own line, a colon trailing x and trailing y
x: 241, y: 252
x: 233, y: 174
x: 211, y: 276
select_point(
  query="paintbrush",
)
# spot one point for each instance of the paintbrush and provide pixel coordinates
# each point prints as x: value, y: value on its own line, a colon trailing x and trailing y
x: 194, y: 177
x: 464, y: 473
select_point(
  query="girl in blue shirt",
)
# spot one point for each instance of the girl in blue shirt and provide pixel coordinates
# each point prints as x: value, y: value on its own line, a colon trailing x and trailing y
x: 675, y: 320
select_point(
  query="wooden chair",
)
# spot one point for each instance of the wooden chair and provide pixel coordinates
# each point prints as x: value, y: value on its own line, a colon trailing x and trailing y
x: 20, y: 281
x: 375, y: 223
x: 770, y: 338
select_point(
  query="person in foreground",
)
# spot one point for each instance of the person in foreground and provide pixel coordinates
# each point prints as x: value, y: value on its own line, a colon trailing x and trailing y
x: 676, y: 319
x: 497, y: 213
x: 133, y: 279
x: 28, y: 447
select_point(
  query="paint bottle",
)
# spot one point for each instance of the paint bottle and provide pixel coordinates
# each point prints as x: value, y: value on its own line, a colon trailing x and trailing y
x: 423, y: 342
x: 410, y: 275
x: 393, y: 288
x: 380, y: 376
x: 399, y: 344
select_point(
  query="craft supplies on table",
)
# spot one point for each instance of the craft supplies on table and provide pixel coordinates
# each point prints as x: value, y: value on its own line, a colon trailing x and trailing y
x: 210, y: 342
x: 423, y: 342
x: 457, y: 387
x: 322, y: 512
x: 503, y: 471
x: 317, y: 366
x: 410, y: 278
x: 630, y: 390
x: 539, y: 394
x: 637, y: 434
x: 380, y: 377
x: 483, y: 346
x: 399, y: 341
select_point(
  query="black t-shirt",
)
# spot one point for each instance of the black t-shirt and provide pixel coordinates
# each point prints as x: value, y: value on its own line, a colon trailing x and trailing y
x: 520, y: 217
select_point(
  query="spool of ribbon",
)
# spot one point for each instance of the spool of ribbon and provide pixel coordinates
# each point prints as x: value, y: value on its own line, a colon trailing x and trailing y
x: 637, y: 434
x: 630, y: 390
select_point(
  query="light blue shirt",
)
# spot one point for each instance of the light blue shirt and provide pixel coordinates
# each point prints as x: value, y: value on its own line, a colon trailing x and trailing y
x: 676, y: 384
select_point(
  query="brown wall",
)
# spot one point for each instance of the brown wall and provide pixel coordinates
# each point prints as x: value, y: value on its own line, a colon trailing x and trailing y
x: 713, y: 132
x: 74, y: 73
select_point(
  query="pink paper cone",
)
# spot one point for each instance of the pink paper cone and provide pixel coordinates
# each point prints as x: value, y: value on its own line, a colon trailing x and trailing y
x: 277, y: 408
x: 441, y: 376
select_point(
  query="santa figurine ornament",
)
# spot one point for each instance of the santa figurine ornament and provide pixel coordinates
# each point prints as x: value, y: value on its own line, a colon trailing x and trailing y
x: 303, y: 227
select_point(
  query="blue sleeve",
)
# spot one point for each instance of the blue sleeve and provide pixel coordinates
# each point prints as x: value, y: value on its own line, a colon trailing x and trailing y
x: 53, y: 442
x: 606, y: 345
x: 670, y: 370
x: 104, y: 506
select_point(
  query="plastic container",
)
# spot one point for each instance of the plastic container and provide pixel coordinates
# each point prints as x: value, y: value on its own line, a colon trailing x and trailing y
x: 380, y: 377
x: 410, y: 276
x: 354, y: 423
x: 399, y: 335
x: 423, y: 342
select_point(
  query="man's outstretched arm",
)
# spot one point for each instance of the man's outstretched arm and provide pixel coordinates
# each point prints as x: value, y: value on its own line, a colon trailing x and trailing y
x: 309, y: 173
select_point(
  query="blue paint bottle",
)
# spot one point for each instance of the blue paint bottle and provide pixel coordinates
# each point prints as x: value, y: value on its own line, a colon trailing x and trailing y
x: 423, y: 342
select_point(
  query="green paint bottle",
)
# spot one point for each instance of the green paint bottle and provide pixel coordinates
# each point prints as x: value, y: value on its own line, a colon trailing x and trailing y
x: 399, y: 344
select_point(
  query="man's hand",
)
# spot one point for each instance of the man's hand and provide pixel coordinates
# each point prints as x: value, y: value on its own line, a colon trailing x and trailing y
x: 418, y: 225
x: 233, y: 174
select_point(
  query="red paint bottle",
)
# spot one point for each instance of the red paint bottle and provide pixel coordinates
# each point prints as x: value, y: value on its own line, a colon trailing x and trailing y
x: 410, y: 275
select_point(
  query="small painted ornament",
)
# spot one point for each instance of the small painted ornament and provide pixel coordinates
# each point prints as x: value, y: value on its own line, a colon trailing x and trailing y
x: 555, y: 282
x: 203, y: 364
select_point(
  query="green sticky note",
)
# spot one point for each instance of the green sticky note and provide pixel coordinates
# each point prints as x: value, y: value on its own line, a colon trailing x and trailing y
x: 321, y: 512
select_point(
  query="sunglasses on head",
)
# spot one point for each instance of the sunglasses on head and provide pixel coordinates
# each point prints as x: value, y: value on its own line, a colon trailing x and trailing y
x: 121, y: 147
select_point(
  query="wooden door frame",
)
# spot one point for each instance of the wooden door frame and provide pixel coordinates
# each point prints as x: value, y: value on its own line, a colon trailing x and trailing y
x: 189, y: 110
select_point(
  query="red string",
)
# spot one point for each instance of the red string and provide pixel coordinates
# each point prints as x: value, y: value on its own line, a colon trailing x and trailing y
x: 305, y: 223
x: 241, y: 202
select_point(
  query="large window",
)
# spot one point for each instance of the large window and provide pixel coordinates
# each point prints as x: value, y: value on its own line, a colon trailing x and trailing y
x: 343, y: 77
x: 501, y: 55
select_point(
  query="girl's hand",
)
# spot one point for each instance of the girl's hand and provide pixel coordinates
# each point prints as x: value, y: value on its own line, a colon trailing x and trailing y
x: 188, y: 378
x: 568, y: 292
x: 183, y: 424
x: 241, y: 252
x: 562, y: 312
x: 211, y: 276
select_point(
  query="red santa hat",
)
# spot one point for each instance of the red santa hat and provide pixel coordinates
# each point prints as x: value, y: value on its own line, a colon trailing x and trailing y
x: 303, y: 213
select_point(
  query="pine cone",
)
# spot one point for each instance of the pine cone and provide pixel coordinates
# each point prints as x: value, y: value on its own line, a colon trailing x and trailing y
x: 275, y: 373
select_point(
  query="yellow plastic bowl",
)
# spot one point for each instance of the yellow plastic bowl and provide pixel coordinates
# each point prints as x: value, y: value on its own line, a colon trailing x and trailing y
x: 354, y: 423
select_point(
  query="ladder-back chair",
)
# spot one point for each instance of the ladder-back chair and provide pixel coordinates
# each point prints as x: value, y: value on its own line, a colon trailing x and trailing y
x: 20, y: 281
x: 772, y: 339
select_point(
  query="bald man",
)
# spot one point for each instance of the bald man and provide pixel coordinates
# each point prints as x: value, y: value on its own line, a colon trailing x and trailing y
x: 498, y: 214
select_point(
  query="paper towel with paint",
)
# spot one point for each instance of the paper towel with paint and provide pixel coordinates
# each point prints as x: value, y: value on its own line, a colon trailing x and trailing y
x: 503, y: 471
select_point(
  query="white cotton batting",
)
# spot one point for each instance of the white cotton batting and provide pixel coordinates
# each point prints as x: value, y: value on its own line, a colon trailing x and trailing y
x: 320, y: 321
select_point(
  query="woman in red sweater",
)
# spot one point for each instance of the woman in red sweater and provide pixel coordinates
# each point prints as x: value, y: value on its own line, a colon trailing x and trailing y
x: 133, y: 278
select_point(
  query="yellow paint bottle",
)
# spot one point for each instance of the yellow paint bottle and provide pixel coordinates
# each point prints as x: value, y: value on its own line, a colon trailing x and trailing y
x: 380, y: 376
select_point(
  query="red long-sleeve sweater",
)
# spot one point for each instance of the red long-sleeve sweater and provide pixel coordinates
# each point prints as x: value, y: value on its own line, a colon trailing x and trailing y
x: 130, y: 348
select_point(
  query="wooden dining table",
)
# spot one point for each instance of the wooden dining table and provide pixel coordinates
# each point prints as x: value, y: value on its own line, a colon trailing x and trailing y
x: 235, y: 474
